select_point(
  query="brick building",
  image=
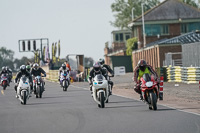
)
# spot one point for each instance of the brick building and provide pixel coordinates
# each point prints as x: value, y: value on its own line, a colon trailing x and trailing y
x: 118, y: 47
x: 169, y: 19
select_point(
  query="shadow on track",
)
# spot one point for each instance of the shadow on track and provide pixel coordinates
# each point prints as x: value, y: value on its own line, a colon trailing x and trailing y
x: 125, y: 106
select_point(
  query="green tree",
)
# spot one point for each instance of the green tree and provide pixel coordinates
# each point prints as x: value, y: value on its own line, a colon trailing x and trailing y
x: 191, y: 3
x: 123, y: 10
x: 6, y: 57
x: 131, y: 45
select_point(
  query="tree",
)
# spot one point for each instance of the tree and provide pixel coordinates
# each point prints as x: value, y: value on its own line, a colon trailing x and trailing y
x: 191, y: 3
x: 6, y: 57
x: 123, y: 9
x: 131, y: 45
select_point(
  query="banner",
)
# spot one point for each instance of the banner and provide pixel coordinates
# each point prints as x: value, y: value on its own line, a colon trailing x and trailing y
x: 59, y: 50
x: 52, y: 52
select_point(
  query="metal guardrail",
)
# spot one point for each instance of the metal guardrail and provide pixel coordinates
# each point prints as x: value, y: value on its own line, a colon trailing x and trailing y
x: 183, y: 74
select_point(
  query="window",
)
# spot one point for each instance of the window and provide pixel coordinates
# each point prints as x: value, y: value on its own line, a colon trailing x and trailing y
x: 127, y: 37
x: 193, y: 27
x: 184, y: 28
x: 165, y: 29
x: 121, y: 37
x: 116, y: 37
x: 156, y: 29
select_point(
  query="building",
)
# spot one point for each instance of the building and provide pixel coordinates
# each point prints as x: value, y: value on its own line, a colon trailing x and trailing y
x: 115, y: 55
x: 169, y: 19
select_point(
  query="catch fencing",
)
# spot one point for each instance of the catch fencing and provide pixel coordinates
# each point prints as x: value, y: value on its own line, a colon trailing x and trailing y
x: 183, y: 74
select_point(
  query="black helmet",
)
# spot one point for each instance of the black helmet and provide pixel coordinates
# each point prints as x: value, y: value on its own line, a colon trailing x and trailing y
x: 97, y: 67
x: 142, y: 65
x: 35, y: 66
x: 64, y: 66
x: 101, y: 61
x: 23, y: 68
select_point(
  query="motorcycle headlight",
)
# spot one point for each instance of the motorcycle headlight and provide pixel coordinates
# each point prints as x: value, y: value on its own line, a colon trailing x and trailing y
x: 149, y: 84
x: 95, y: 83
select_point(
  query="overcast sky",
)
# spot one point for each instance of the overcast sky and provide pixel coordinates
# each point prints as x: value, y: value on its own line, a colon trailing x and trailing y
x: 81, y: 25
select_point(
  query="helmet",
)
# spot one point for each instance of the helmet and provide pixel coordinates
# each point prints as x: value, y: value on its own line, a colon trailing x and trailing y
x: 97, y: 67
x: 142, y: 65
x: 35, y: 66
x: 101, y: 61
x: 4, y: 68
x: 63, y: 66
x: 28, y: 67
x: 23, y: 68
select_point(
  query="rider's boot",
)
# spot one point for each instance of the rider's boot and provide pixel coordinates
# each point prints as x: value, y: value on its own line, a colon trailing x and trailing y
x: 141, y: 97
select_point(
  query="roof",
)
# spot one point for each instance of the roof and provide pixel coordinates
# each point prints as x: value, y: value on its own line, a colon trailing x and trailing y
x: 170, y: 10
x: 121, y: 31
x: 187, y: 38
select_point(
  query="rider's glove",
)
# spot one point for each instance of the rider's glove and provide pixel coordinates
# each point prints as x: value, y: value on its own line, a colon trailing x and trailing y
x: 45, y: 75
x: 112, y: 75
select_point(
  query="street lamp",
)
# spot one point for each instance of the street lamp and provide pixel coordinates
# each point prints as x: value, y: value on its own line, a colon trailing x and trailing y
x: 144, y: 36
x: 133, y: 13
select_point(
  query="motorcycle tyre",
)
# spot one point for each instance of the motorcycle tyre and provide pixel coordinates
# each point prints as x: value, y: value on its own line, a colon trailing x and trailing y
x: 153, y: 101
x: 24, y: 98
x: 101, y: 99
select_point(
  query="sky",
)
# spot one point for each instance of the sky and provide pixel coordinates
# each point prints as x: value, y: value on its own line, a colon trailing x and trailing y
x: 82, y: 26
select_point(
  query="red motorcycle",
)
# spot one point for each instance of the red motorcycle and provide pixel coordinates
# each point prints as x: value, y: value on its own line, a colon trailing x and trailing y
x: 149, y: 89
x: 4, y: 81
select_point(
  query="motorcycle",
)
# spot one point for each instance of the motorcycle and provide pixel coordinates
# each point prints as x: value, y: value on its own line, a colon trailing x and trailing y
x: 23, y: 89
x: 149, y: 91
x: 64, y: 80
x: 100, y: 90
x: 38, y: 86
x: 4, y: 81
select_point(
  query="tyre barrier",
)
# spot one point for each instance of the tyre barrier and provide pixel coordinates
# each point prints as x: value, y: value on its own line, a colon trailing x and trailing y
x: 183, y: 74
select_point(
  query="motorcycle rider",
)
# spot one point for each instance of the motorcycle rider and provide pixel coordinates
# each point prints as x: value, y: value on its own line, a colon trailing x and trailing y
x: 141, y: 69
x: 96, y: 70
x: 28, y: 68
x: 4, y: 71
x: 19, y: 75
x: 9, y: 74
x: 108, y: 69
x: 61, y: 69
x: 36, y: 71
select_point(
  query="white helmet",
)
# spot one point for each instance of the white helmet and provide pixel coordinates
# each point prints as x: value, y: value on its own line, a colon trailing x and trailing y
x: 35, y: 66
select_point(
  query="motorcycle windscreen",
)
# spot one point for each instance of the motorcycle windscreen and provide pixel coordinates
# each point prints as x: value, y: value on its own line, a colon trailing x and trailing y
x: 99, y: 77
x: 146, y: 77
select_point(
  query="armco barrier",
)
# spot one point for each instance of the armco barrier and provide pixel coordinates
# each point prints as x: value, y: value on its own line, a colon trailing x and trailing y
x: 183, y: 74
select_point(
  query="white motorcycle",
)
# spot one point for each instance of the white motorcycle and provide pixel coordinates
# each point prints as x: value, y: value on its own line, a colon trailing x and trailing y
x: 64, y: 80
x: 100, y: 90
x: 23, y: 89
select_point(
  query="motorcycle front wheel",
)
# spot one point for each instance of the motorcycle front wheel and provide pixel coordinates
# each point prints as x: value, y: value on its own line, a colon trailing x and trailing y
x: 101, y: 99
x: 153, y: 98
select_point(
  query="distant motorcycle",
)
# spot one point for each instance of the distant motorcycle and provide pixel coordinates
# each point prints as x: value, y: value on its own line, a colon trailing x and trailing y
x: 64, y: 80
x: 38, y: 86
x: 149, y: 90
x: 100, y: 90
x: 23, y: 89
x: 4, y: 81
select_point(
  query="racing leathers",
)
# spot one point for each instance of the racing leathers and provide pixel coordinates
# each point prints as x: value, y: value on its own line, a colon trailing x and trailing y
x: 93, y: 74
x: 36, y: 73
x: 5, y: 72
x: 61, y: 69
x: 138, y: 74
x: 108, y: 69
x: 19, y: 75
